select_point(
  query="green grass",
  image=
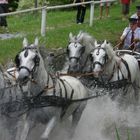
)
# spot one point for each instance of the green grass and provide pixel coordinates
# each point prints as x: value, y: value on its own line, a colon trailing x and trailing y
x: 59, y: 25
x: 118, y: 135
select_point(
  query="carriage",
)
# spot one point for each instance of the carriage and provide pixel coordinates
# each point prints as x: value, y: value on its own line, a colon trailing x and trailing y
x: 131, y: 52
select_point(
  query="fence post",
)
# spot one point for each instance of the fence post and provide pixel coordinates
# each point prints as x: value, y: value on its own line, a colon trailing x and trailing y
x: 91, y: 13
x: 43, y: 22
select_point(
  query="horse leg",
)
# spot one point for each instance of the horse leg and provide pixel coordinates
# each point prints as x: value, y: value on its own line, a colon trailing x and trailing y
x: 136, y: 91
x: 76, y: 117
x: 51, y: 124
x: 23, y: 128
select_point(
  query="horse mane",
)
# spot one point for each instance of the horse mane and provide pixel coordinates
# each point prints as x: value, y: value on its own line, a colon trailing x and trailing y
x: 109, y: 50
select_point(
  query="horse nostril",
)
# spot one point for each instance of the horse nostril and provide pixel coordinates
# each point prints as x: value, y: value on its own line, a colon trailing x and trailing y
x: 25, y: 78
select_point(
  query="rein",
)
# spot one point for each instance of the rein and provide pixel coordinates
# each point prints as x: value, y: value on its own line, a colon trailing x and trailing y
x: 75, y: 74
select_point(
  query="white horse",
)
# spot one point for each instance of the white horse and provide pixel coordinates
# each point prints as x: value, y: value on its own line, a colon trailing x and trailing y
x: 106, y: 62
x: 10, y: 94
x: 31, y: 66
x: 78, y: 50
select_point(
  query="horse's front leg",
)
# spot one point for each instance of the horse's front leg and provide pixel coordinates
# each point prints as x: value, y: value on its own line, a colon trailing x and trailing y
x: 76, y: 118
x: 136, y: 91
x: 23, y: 128
x: 51, y: 124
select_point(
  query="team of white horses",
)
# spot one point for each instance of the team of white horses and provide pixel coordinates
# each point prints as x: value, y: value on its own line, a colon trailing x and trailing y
x: 85, y: 55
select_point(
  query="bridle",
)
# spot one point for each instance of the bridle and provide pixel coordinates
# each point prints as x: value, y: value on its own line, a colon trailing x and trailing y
x: 77, y: 58
x: 36, y: 61
x: 97, y: 53
x: 81, y: 53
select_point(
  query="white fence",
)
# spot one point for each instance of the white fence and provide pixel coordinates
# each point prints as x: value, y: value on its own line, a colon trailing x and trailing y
x: 45, y: 9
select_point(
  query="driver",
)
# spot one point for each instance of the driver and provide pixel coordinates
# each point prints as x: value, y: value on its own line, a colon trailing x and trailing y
x: 130, y: 38
x: 137, y: 14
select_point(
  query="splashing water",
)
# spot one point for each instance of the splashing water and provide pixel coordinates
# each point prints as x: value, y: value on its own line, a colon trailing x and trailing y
x: 98, y: 122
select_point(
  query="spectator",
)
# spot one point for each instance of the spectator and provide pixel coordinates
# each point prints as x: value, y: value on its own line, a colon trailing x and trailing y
x: 3, y: 9
x: 137, y: 15
x: 107, y: 6
x: 81, y: 11
x: 125, y: 8
x: 131, y: 36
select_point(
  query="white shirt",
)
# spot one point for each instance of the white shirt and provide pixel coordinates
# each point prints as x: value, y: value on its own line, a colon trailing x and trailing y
x: 3, y: 1
x: 128, y: 34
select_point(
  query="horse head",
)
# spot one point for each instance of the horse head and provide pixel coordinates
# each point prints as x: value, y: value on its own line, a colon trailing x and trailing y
x: 75, y: 51
x: 78, y: 50
x: 27, y: 60
x: 100, y: 56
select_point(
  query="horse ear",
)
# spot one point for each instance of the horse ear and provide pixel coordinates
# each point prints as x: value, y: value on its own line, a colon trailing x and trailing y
x: 104, y: 43
x: 36, y: 42
x: 95, y: 43
x: 70, y: 36
x: 80, y: 36
x: 25, y: 42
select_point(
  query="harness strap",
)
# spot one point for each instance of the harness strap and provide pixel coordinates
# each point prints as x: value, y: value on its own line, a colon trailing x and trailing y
x: 54, y: 83
x: 23, y: 67
x: 118, y: 73
x: 121, y: 73
x: 72, y: 92
x: 60, y: 89
x: 127, y: 67
x: 64, y: 88
x: 97, y: 62
x: 112, y: 73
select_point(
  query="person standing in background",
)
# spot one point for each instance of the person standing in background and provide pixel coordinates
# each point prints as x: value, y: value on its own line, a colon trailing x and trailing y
x: 81, y: 11
x: 3, y: 9
x: 125, y: 8
x: 107, y: 6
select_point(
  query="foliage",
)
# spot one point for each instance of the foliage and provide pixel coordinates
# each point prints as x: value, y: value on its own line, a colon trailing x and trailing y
x: 30, y: 3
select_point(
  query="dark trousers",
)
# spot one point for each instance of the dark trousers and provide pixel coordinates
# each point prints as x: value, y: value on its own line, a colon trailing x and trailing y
x: 3, y: 9
x: 81, y: 11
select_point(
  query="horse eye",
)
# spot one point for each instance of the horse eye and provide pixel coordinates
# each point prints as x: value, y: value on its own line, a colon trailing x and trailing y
x: 67, y: 50
x: 82, y: 49
x: 91, y: 57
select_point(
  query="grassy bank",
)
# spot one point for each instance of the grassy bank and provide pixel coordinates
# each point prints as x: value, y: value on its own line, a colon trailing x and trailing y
x: 59, y: 25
